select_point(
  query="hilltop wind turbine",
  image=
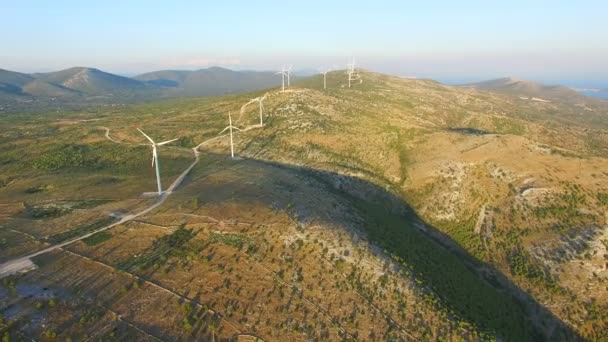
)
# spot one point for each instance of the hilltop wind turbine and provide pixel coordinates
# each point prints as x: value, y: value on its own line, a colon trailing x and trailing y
x: 230, y: 127
x: 282, y: 73
x: 260, y: 100
x: 155, y: 157
x: 288, y: 75
x: 285, y: 73
x: 353, y: 75
x: 325, y: 78
x: 231, y: 141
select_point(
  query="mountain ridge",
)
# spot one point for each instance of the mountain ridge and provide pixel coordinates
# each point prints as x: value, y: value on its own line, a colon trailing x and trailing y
x: 210, y: 81
x: 85, y: 83
x: 524, y: 88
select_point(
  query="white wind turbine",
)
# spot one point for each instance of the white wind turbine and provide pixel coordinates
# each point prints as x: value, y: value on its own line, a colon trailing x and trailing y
x: 325, y: 78
x: 155, y: 157
x: 288, y: 71
x: 285, y: 73
x: 282, y: 73
x: 260, y: 100
x: 353, y: 75
x: 230, y: 127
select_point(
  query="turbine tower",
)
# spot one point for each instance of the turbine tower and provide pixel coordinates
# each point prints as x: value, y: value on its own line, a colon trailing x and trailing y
x: 260, y: 100
x: 231, y: 142
x: 325, y: 78
x: 353, y: 75
x: 288, y: 71
x: 155, y: 157
x: 285, y: 73
x: 230, y: 127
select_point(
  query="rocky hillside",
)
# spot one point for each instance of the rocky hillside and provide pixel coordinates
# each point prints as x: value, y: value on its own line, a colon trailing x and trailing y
x: 396, y: 209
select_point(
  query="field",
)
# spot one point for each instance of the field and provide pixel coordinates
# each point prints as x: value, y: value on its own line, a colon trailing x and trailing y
x: 394, y: 210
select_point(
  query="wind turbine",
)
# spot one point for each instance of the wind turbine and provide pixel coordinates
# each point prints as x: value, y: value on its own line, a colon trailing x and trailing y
x: 260, y: 100
x: 325, y: 78
x: 285, y: 72
x: 231, y: 142
x: 353, y: 75
x: 230, y: 127
x: 288, y: 75
x: 155, y: 157
x: 282, y: 73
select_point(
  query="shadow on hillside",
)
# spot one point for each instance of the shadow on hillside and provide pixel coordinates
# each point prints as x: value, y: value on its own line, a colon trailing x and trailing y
x: 468, y: 286
x: 468, y: 131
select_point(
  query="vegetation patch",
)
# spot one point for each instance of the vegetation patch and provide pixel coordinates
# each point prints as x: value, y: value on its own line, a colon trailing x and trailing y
x: 563, y: 209
x: 177, y: 244
x: 79, y: 231
x: 602, y: 197
x: 65, y: 156
x: 239, y: 241
x: 97, y: 238
x: 54, y: 210
x: 508, y: 126
x: 46, y: 211
x: 89, y: 203
x: 37, y: 189
x: 96, y: 156
x: 463, y: 233
x: 468, y: 130
x: 521, y: 265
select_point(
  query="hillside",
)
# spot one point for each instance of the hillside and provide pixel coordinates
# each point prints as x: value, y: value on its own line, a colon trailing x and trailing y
x: 397, y: 209
x: 14, y: 78
x: 528, y: 90
x: 40, y: 88
x: 211, y: 81
x: 11, y: 83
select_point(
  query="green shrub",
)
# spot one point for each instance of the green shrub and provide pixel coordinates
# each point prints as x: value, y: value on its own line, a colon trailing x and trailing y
x: 97, y: 238
x: 64, y: 156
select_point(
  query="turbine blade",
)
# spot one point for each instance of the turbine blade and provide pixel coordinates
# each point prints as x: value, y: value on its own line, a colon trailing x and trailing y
x: 145, y: 135
x: 224, y: 130
x: 166, y: 142
x: 153, y: 158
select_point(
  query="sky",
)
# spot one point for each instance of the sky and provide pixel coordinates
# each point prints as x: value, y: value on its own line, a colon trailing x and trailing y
x: 452, y: 41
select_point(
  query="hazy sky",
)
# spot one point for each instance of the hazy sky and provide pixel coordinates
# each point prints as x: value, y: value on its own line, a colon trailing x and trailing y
x: 448, y: 40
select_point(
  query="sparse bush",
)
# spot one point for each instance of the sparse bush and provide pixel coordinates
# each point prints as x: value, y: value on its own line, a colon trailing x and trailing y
x: 186, y: 324
x: 63, y: 156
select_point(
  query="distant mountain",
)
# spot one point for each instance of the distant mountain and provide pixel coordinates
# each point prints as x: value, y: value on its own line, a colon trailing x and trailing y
x: 529, y: 90
x: 12, y: 77
x: 11, y: 83
x: 211, y: 81
x: 90, y: 81
x: 82, y: 85
x: 74, y: 84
